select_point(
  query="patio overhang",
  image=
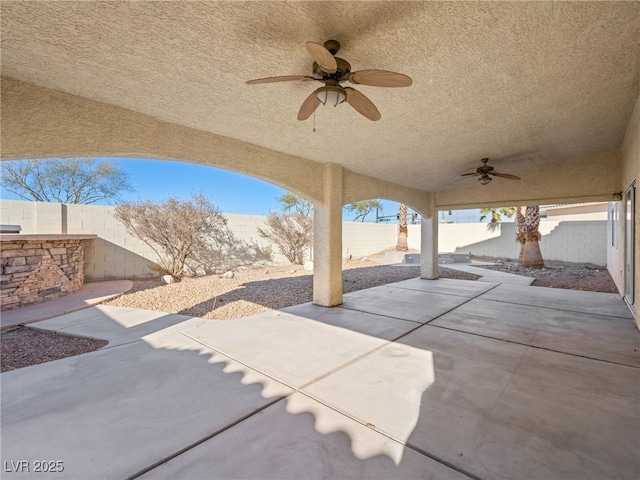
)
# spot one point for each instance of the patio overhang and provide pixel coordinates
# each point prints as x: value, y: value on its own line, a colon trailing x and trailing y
x: 547, y: 90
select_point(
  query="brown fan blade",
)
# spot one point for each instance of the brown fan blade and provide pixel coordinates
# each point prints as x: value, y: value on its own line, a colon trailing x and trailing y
x: 323, y: 57
x: 461, y: 179
x: 504, y: 175
x: 469, y: 174
x: 362, y: 104
x: 380, y: 78
x: 284, y: 78
x: 308, y: 106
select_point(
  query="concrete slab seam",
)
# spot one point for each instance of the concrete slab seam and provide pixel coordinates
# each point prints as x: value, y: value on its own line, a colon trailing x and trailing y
x: 389, y: 436
x: 391, y: 285
x: 415, y: 321
x: 534, y: 346
x: 352, y: 309
x: 331, y: 407
x: 202, y: 440
x: 549, y: 308
x: 439, y: 293
x: 457, y: 306
x: 235, y: 359
x: 312, y: 397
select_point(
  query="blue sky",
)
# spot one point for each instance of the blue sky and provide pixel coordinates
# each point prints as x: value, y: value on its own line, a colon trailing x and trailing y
x: 231, y: 192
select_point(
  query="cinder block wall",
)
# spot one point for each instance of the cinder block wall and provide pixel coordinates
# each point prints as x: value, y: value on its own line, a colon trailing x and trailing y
x: 580, y: 242
x: 360, y: 239
x: 116, y: 254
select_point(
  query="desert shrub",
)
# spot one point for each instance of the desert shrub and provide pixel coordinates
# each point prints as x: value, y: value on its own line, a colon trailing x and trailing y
x: 175, y: 229
x: 290, y: 230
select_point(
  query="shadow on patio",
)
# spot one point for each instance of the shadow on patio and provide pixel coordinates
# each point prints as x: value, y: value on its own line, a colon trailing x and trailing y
x: 451, y: 379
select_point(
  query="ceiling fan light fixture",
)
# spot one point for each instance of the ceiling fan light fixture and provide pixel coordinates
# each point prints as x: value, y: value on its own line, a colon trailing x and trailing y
x: 485, y: 179
x: 330, y: 95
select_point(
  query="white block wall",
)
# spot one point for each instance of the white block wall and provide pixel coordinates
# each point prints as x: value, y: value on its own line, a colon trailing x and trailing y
x: 116, y: 254
x: 360, y: 239
x: 245, y: 228
x: 580, y: 242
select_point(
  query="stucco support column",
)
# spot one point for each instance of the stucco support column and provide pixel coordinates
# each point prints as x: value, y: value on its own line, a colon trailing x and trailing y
x: 429, y: 242
x: 327, y: 240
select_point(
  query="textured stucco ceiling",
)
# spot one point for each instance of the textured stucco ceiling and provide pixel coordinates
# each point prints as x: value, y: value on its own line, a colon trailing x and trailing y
x: 524, y: 83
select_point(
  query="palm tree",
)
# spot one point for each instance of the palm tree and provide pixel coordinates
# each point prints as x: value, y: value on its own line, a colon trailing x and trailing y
x: 496, y: 216
x: 403, y: 230
x: 528, y: 236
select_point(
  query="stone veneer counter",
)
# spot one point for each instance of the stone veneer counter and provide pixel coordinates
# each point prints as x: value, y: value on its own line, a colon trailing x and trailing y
x: 36, y: 268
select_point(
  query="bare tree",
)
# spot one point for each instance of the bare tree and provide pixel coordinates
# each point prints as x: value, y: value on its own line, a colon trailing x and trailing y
x: 65, y: 180
x: 292, y: 229
x: 175, y: 229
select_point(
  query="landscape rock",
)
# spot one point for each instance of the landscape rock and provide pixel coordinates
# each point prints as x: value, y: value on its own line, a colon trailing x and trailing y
x: 168, y: 279
x: 308, y: 265
x: 228, y: 274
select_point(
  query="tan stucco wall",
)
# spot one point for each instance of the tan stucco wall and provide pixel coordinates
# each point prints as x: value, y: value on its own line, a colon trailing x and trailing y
x: 587, y: 179
x: 40, y: 123
x: 578, y: 213
x: 43, y: 123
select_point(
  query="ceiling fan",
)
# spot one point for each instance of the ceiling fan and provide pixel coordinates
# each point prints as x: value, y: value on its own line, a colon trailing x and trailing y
x: 332, y: 70
x: 485, y: 172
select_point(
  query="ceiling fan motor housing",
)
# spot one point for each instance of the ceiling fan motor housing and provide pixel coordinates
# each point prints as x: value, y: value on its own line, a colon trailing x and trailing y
x: 343, y: 69
x: 484, y: 169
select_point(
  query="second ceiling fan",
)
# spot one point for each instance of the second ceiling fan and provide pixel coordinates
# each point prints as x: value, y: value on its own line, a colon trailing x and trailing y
x: 485, y: 172
x: 332, y: 70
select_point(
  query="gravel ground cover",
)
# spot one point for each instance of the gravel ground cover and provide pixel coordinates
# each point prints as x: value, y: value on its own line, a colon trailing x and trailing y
x: 556, y: 274
x: 258, y: 290
x: 23, y: 346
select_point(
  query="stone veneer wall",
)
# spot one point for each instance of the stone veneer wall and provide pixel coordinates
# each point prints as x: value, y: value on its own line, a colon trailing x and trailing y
x: 37, y: 268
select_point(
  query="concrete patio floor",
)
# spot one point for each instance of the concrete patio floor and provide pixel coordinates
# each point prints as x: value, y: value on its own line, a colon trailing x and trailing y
x: 418, y: 379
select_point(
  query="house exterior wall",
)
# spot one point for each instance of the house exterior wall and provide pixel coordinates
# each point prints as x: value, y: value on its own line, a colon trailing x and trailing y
x: 631, y: 173
x: 588, y: 212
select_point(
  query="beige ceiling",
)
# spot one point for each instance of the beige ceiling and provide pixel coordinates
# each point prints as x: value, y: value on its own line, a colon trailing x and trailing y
x: 524, y: 83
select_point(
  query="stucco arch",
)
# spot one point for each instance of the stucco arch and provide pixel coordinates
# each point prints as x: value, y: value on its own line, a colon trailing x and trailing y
x: 358, y: 187
x: 44, y: 123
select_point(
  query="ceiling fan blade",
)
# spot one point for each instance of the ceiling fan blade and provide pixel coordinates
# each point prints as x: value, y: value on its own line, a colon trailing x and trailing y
x: 323, y: 57
x: 284, y: 78
x: 308, y: 106
x: 504, y: 175
x: 362, y: 104
x: 380, y: 78
x: 470, y: 174
x: 461, y: 179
